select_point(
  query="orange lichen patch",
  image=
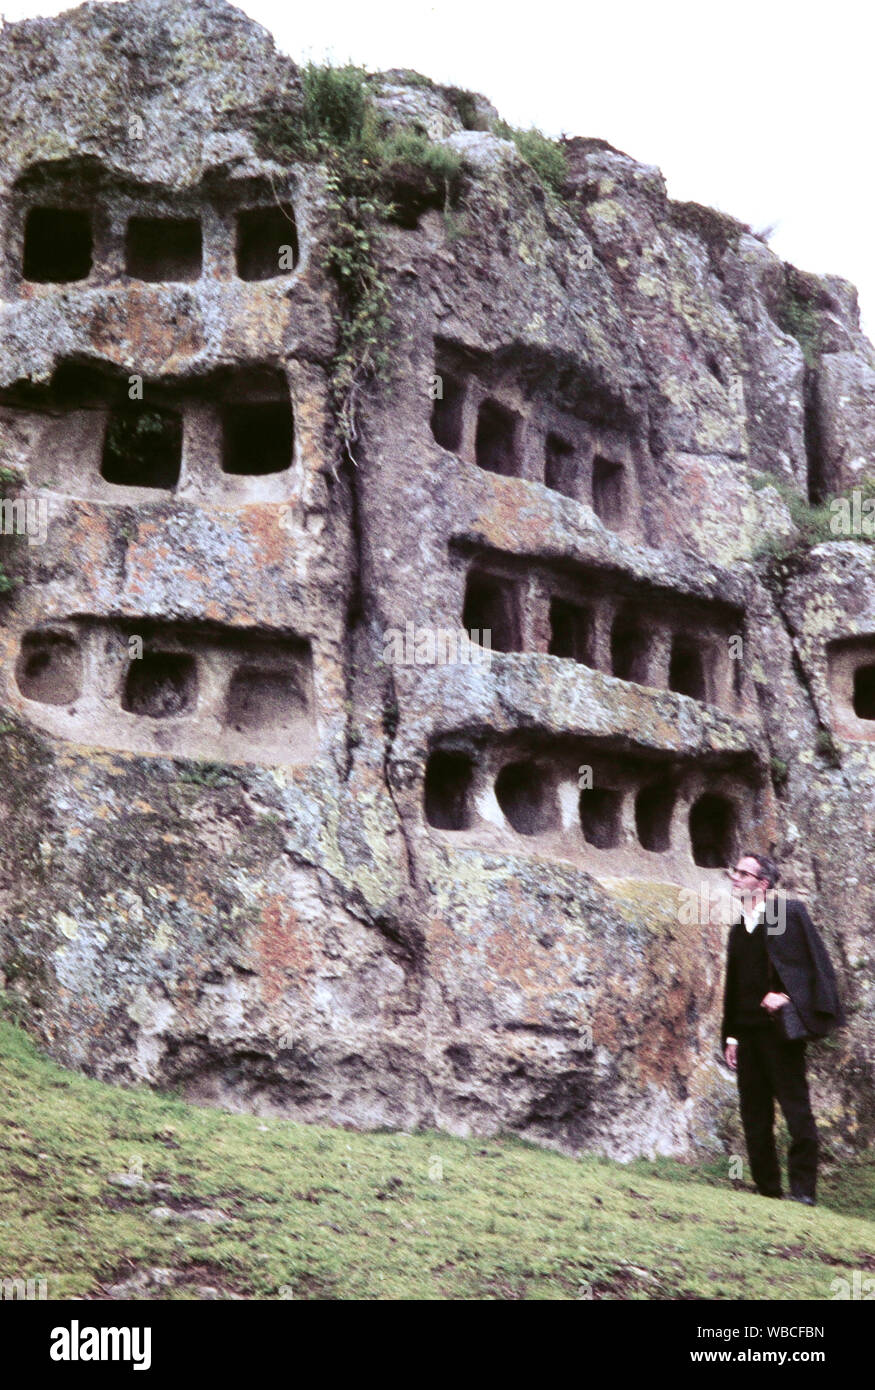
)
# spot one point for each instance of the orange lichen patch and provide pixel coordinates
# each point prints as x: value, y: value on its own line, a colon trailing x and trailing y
x: 201, y: 901
x: 261, y: 322
x: 698, y: 484
x: 262, y: 528
x: 516, y: 958
x: 665, y: 1042
x: 283, y: 948
x: 88, y: 534
x: 147, y: 327
x: 611, y: 1016
x: 500, y: 520
x: 443, y: 948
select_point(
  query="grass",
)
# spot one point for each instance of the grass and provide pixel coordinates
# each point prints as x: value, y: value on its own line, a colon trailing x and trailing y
x: 316, y: 1212
x: 545, y: 156
x: 816, y: 523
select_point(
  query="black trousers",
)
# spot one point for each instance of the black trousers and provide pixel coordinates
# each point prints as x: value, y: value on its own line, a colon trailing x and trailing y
x: 770, y: 1069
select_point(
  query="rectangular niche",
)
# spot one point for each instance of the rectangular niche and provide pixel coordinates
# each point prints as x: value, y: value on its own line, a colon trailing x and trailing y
x: 864, y: 692
x: 161, y: 249
x: 447, y: 415
x: 161, y: 685
x: 497, y: 443
x: 258, y: 430
x: 142, y: 446
x: 447, y: 792
x: 267, y: 242
x: 492, y: 605
x: 49, y: 667
x: 630, y: 647
x: 609, y: 491
x: 57, y: 245
x: 601, y: 811
x: 261, y: 698
x: 689, y: 667
x: 851, y: 666
x: 654, y: 810
x: 572, y: 631
x: 561, y: 469
x: 526, y: 793
x: 713, y: 831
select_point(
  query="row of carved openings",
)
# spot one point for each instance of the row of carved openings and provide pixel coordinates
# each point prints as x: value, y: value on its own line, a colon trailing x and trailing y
x: 59, y: 245
x: 497, y: 450
x: 161, y: 684
x: 527, y: 797
x: 142, y: 442
x: 492, y: 604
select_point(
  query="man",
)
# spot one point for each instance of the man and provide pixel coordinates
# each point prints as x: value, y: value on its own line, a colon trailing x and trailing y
x: 774, y: 955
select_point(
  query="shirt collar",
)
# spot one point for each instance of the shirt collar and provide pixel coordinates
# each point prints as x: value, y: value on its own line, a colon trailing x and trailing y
x: 753, y: 917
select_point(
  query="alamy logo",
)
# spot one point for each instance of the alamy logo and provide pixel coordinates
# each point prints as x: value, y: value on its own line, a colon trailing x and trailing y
x: 25, y: 1289
x: 29, y: 517
x: 854, y: 516
x: 428, y: 646
x: 75, y: 1343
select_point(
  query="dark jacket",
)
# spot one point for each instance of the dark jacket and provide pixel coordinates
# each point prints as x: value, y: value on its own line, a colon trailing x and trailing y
x: 802, y: 968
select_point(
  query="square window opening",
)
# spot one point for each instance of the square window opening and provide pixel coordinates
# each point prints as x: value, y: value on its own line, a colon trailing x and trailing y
x: 57, y: 245
x: 161, y: 685
x: 258, y: 438
x: 142, y: 447
x: 163, y: 248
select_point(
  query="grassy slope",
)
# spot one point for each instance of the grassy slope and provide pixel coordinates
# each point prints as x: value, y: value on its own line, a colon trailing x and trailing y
x: 319, y: 1212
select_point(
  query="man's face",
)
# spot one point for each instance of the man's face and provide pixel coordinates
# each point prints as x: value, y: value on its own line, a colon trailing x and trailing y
x: 745, y: 879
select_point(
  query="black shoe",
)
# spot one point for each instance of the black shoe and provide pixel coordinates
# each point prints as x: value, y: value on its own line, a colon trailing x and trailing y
x: 776, y: 1195
x: 806, y: 1201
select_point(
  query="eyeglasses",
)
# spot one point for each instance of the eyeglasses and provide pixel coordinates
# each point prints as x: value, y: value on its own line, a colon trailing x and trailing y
x: 741, y: 873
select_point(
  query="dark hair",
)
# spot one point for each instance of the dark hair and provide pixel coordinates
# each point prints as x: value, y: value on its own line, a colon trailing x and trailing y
x: 767, y: 865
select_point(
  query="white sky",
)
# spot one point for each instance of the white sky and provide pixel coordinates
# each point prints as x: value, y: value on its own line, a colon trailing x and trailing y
x: 761, y: 109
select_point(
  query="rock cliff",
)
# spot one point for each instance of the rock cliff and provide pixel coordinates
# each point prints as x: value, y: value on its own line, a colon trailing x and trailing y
x: 274, y: 830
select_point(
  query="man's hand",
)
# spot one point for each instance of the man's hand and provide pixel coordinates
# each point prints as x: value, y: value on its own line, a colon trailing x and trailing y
x: 773, y: 1002
x: 731, y: 1056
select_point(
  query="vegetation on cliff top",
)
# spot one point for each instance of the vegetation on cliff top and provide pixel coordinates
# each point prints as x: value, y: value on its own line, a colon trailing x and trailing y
x: 314, y: 1212
x: 375, y: 175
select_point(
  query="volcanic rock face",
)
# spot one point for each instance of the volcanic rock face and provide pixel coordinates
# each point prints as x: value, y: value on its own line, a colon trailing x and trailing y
x: 273, y: 829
